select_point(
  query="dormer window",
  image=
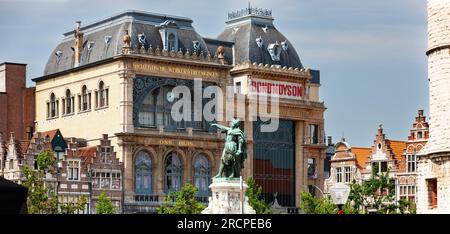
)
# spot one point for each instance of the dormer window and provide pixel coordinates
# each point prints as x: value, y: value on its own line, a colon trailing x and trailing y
x: 274, y: 51
x: 168, y: 31
x: 171, y: 41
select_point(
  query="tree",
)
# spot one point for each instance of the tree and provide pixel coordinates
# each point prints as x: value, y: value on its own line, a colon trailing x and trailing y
x: 255, y: 198
x: 104, y: 205
x: 41, y: 197
x: 376, y: 193
x: 321, y: 205
x: 185, y: 202
x: 313, y: 205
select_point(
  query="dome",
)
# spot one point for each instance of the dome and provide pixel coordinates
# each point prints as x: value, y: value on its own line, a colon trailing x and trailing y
x: 103, y: 39
x: 256, y: 39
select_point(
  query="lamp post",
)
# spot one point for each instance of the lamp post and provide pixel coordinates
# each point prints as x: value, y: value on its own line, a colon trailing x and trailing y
x: 339, y: 193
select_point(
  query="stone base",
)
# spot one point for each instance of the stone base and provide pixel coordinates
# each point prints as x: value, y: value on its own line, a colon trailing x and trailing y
x: 225, y: 198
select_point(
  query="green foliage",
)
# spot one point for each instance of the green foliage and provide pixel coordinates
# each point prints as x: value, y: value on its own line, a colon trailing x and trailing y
x: 376, y: 193
x: 255, y: 199
x: 104, y: 205
x: 45, y: 161
x: 74, y: 208
x: 313, y: 205
x: 185, y: 202
x: 41, y: 196
x: 39, y: 201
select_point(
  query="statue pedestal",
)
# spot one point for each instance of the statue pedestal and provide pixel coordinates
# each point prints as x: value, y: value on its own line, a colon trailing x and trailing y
x: 226, y: 197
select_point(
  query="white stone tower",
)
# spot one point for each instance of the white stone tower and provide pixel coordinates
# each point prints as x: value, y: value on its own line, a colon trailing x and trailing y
x: 433, y: 185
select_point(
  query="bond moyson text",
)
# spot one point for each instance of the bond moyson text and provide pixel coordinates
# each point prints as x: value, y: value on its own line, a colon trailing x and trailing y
x: 276, y: 88
x: 264, y: 107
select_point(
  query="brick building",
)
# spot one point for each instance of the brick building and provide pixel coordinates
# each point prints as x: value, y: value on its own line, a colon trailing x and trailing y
x: 17, y: 102
x: 397, y: 157
x: 80, y: 170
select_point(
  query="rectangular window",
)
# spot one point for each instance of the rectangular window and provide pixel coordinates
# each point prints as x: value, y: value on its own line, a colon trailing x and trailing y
x: 408, y: 192
x: 79, y: 103
x: 311, y: 167
x: 432, y: 193
x: 106, y: 154
x: 419, y: 135
x: 11, y: 164
x: 348, y: 174
x: 89, y: 101
x: 96, y: 99
x: 72, y: 105
x: 339, y: 175
x: 64, y: 106
x: 238, y: 87
x: 384, y: 166
x: 48, y: 110
x: 73, y: 170
x: 411, y: 161
x: 314, y: 133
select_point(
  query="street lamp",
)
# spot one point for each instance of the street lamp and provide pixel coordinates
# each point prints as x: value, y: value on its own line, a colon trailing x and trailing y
x: 339, y: 193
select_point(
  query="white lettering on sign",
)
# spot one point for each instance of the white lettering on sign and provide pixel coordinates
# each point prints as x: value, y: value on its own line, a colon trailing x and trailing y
x: 276, y: 88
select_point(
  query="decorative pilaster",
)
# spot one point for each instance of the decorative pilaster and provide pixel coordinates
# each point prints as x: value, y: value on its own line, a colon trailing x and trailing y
x: 301, y: 178
x: 126, y: 100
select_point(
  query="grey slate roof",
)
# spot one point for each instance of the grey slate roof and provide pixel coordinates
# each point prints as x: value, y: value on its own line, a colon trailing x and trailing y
x: 245, y: 30
x: 136, y: 22
x: 240, y: 32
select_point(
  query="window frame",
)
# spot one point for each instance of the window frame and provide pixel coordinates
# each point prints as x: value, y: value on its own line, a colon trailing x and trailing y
x: 71, y: 168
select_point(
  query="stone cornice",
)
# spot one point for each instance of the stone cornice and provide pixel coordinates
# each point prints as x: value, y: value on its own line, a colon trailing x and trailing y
x: 254, y: 68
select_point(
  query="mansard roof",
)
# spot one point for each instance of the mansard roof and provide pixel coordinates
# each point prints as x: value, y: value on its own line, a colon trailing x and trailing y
x: 103, y: 39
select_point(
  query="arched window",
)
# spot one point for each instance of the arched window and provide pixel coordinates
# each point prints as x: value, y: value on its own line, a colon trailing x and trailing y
x: 171, y: 44
x: 103, y: 94
x: 202, y: 175
x: 173, y: 172
x: 69, y: 104
x: 143, y: 173
x: 53, y: 105
x: 156, y: 109
x: 85, y: 99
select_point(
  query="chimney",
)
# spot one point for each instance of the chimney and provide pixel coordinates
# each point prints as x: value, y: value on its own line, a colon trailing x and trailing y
x: 420, y: 113
x: 78, y: 43
x: 29, y: 132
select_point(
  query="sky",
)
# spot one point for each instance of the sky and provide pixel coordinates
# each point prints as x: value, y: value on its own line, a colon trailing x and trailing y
x: 371, y: 54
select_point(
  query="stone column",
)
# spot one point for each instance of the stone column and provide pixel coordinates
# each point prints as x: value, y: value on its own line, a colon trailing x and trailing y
x: 300, y: 168
x: 128, y: 175
x: 320, y: 174
x: 187, y: 167
x: 126, y: 100
x: 158, y: 172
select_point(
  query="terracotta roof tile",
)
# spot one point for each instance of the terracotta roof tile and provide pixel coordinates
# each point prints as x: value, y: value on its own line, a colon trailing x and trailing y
x: 88, y: 153
x: 398, y: 148
x: 51, y: 134
x: 362, y: 156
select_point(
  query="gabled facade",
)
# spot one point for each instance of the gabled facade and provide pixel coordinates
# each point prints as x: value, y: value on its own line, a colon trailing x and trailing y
x: 385, y: 156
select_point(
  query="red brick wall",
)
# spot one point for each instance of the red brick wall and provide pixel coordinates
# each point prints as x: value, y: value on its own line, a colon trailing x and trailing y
x: 17, y: 106
x: 3, y: 114
x: 29, y: 109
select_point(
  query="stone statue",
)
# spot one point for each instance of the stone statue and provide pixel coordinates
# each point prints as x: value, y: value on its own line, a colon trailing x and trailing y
x: 220, y: 52
x: 234, y: 152
x: 126, y: 40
